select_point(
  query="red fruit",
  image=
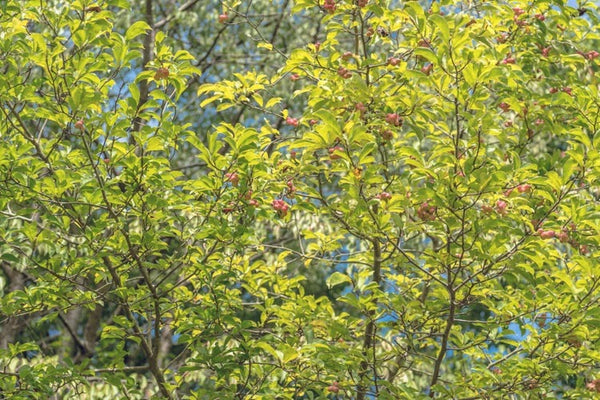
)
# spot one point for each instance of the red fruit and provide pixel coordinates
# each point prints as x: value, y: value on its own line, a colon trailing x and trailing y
x: 344, y: 73
x: 393, y: 61
x: 594, y: 385
x: 503, y: 37
x: 567, y: 90
x: 291, y: 188
x: 223, y: 18
x: 280, y: 206
x: 540, y: 17
x: 509, y: 60
x: 592, y: 54
x: 293, y: 154
x: 294, y: 77
x: 385, y: 196
x: 333, y: 150
x: 553, y: 90
x: 486, y: 209
x: 232, y: 177
x: 229, y: 209
x: 508, y: 124
x: 584, y: 249
x: 106, y: 160
x: 504, y: 106
x: 317, y: 46
x: 563, y: 236
x: 424, y: 43
x: 546, y: 51
x: 253, y: 203
x: 347, y: 55
x: 427, y: 212
x: 524, y: 188
x: 161, y: 73
x: 539, y: 121
x: 333, y: 388
x: 360, y: 107
x: 427, y: 69
x: 393, y: 119
x: 313, y: 122
x: 518, y: 11
x: 546, y: 234
x: 520, y: 22
x: 362, y: 3
x: 329, y: 5
x: 292, y: 121
x: 501, y: 207
x: 79, y: 124
x: 387, y: 134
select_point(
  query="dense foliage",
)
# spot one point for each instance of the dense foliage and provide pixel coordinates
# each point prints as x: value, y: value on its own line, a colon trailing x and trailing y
x: 362, y: 199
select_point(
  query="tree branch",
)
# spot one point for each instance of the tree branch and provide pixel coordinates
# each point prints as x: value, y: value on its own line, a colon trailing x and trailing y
x: 370, y: 330
x: 182, y: 8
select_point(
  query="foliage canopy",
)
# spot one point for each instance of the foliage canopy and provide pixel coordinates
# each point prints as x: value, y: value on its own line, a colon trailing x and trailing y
x: 379, y: 199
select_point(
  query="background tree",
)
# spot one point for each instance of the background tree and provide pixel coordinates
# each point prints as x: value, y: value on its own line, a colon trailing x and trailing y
x: 398, y: 200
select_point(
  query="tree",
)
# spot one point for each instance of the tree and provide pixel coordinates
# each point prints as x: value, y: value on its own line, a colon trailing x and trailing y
x: 436, y: 166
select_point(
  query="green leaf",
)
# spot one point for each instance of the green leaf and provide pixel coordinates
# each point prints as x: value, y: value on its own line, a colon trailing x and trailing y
x: 137, y: 29
x: 442, y: 25
x: 427, y: 54
x: 337, y: 278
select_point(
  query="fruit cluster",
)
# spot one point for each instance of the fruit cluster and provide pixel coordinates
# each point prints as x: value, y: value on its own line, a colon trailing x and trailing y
x: 281, y: 207
x: 427, y: 212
